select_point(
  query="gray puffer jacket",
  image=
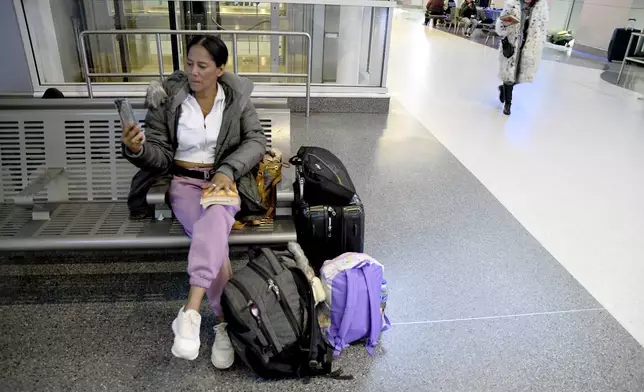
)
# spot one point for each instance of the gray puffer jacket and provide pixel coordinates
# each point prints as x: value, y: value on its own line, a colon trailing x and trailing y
x: 241, y: 143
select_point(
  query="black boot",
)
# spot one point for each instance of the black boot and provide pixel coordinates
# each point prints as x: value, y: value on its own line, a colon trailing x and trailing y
x: 501, y: 94
x: 508, y: 98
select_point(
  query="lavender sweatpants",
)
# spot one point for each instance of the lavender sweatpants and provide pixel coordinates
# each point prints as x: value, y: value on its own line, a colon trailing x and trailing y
x: 208, y: 263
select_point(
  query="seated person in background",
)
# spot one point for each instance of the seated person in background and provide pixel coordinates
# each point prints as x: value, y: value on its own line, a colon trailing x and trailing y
x: 468, y: 17
x: 202, y: 128
x: 447, y: 8
x: 53, y: 92
x: 434, y: 7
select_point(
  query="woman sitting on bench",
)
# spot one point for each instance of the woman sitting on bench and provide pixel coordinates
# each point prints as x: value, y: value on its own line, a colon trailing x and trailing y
x: 202, y: 128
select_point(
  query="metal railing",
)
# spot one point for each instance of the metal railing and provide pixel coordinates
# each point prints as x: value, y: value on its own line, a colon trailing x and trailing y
x: 627, y: 57
x: 157, y: 33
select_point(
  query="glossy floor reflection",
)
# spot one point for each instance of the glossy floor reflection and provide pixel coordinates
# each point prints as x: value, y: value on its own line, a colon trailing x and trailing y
x: 567, y: 164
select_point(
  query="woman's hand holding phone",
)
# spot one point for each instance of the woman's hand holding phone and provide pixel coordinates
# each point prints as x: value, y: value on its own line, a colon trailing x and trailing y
x: 507, y: 19
x: 133, y: 137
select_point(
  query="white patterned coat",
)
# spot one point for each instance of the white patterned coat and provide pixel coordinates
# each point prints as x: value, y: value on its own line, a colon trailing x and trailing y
x: 535, y: 40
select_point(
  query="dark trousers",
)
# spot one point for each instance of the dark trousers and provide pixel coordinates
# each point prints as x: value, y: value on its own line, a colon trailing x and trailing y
x: 509, y: 87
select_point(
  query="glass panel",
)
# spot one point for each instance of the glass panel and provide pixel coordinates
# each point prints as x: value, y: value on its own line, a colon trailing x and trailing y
x: 333, y: 29
x: 637, y: 13
x: 254, y: 51
x: 574, y: 15
x: 53, y: 27
x: 135, y: 53
x: 57, y: 56
x: 559, y: 14
x: 354, y: 45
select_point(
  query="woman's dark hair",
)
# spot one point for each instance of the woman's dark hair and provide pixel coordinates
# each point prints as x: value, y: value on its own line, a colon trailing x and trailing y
x: 214, y: 45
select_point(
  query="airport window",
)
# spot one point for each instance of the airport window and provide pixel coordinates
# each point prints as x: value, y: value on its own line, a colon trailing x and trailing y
x: 54, y: 27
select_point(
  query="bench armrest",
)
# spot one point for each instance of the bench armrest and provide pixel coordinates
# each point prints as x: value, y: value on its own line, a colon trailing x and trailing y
x: 26, y: 197
x: 285, y: 187
x: 157, y: 194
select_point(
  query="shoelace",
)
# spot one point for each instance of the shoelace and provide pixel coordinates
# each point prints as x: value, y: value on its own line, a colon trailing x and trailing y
x: 220, y: 330
x: 187, y: 324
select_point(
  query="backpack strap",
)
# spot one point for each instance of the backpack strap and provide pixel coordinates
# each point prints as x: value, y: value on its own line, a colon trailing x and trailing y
x: 387, y: 324
x: 314, y: 333
x: 273, y: 260
x: 371, y: 278
x: 340, y: 343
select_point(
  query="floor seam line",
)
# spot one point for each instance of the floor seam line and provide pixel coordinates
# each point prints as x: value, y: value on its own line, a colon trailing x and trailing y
x: 500, y: 317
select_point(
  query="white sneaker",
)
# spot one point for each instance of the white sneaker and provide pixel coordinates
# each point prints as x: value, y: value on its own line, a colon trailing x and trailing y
x: 186, y: 334
x: 223, y: 355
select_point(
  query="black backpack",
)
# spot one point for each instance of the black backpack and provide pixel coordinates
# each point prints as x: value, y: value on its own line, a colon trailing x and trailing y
x: 327, y: 179
x: 272, y: 320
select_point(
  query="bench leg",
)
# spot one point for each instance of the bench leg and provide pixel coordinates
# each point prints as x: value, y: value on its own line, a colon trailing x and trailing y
x: 162, y: 212
x: 40, y: 212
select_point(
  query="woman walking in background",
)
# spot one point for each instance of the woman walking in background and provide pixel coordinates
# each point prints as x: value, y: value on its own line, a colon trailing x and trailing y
x: 523, y: 26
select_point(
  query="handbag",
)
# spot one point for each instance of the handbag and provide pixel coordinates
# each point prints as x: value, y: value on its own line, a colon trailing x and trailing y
x: 327, y: 180
x: 508, y: 48
x: 269, y: 174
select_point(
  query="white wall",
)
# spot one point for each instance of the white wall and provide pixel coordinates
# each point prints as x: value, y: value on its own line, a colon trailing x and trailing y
x: 559, y: 12
x: 44, y: 18
x: 13, y: 62
x: 63, y: 12
x: 637, y: 12
x: 598, y: 19
x: 43, y: 40
x: 593, y: 21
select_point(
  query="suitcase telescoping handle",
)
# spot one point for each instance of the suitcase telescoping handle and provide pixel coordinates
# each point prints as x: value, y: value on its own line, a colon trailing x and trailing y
x: 330, y: 215
x: 297, y: 162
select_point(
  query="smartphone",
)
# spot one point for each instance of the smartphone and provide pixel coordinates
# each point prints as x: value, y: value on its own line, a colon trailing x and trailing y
x: 127, y: 115
x: 125, y: 112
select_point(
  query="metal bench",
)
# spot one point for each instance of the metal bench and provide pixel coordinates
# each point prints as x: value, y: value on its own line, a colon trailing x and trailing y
x: 64, y: 183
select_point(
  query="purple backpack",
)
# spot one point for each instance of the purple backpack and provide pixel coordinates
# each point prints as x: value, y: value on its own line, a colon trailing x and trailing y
x: 352, y: 283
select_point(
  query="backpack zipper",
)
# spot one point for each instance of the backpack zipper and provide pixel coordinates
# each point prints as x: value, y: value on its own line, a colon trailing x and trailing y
x: 256, y: 316
x: 274, y: 287
x: 343, y: 237
x: 330, y: 215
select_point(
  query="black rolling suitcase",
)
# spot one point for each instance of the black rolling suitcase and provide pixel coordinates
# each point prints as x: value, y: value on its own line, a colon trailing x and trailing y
x: 329, y: 215
x: 619, y: 42
x: 326, y: 231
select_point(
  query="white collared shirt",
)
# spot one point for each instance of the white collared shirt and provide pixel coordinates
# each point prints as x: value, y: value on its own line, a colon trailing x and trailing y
x: 196, y: 135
